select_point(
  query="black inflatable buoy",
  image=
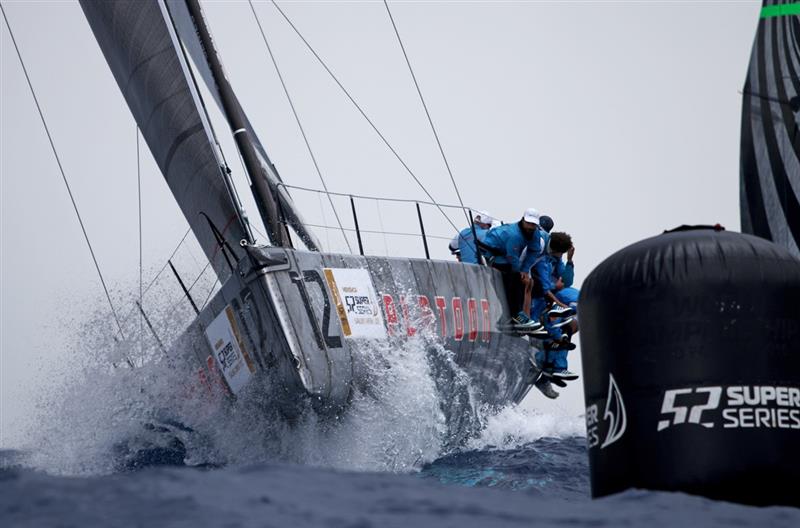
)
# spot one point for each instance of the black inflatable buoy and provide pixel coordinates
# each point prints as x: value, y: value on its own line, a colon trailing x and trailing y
x: 690, y: 343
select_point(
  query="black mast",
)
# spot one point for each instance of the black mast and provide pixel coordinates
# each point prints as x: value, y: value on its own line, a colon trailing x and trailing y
x: 265, y: 200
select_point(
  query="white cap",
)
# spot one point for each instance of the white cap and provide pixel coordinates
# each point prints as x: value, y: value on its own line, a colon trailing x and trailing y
x: 483, y: 217
x: 531, y: 215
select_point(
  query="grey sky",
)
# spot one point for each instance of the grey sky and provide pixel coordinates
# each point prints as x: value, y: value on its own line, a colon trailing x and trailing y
x: 618, y: 119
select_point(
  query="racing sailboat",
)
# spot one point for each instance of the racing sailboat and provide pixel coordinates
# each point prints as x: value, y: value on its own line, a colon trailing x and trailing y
x: 770, y: 148
x: 295, y: 316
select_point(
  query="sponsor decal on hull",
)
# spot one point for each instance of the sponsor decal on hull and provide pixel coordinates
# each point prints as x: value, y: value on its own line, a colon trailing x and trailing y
x: 229, y: 352
x: 356, y: 302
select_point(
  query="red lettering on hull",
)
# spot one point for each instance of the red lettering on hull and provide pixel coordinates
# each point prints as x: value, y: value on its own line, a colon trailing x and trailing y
x: 477, y: 324
x: 487, y: 321
x: 441, y: 305
x: 425, y: 312
x: 458, y: 319
x: 216, y: 375
x: 201, y: 374
x: 410, y: 328
x: 391, y: 314
x: 472, y: 310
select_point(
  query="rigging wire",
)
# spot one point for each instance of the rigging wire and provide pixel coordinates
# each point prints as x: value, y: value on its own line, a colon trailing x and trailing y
x: 427, y: 113
x: 299, y: 124
x: 154, y: 279
x: 141, y: 291
x: 258, y: 231
x: 376, y: 232
x: 191, y: 253
x: 212, y: 290
x: 64, y: 177
x: 185, y: 294
x: 324, y: 220
x: 197, y: 93
x: 253, y: 226
x: 247, y: 177
x: 365, y: 197
x: 383, y: 229
x: 364, y: 115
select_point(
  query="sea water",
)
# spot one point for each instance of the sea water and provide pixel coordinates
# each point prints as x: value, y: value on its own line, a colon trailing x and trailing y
x: 392, y: 459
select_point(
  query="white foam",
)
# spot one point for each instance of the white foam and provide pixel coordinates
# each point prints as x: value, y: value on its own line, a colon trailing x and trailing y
x: 515, y: 426
x: 86, y: 398
x: 85, y: 406
x: 395, y: 421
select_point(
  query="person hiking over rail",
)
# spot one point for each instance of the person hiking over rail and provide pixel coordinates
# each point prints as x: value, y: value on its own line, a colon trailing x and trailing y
x: 463, y: 244
x: 506, y: 243
x: 550, y: 275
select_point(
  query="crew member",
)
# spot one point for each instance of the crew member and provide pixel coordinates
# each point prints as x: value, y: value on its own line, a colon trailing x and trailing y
x: 546, y: 223
x: 565, y: 292
x: 463, y: 244
x: 551, y: 275
x: 506, y: 243
x: 565, y: 274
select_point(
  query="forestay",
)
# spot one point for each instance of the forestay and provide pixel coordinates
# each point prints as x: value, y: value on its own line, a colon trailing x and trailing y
x: 142, y: 50
x: 187, y: 31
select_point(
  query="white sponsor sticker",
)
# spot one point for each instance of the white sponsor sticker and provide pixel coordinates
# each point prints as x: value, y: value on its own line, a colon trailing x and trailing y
x: 356, y: 303
x: 223, y: 338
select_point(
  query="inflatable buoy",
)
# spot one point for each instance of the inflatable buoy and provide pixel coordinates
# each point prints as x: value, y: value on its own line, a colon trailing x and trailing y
x: 690, y: 343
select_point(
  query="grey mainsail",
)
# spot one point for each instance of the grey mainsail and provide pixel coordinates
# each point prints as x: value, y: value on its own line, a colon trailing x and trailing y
x: 770, y: 142
x: 144, y: 55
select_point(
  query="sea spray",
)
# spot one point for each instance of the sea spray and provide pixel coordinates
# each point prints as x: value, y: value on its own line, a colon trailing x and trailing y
x: 87, y: 399
x: 515, y: 426
x: 411, y: 405
x: 88, y: 408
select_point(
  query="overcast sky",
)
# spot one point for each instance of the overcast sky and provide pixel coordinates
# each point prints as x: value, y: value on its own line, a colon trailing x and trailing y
x: 619, y: 120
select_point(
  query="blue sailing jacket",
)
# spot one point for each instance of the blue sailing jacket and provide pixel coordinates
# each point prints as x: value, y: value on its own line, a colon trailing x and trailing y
x: 507, y: 243
x: 547, y: 270
x: 466, y: 243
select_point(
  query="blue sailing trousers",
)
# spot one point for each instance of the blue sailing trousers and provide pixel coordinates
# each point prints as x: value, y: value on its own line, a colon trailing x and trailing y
x: 555, y: 360
x: 538, y: 307
x: 552, y: 359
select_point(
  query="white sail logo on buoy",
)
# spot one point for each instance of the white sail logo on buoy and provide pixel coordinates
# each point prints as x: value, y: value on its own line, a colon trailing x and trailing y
x: 614, y: 413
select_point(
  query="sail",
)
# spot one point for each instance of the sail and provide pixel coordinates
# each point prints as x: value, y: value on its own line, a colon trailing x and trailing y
x: 142, y: 50
x: 770, y: 142
x: 189, y: 37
